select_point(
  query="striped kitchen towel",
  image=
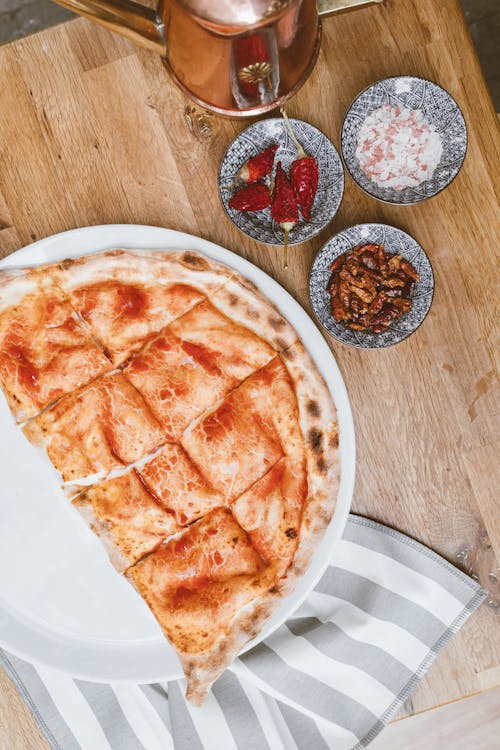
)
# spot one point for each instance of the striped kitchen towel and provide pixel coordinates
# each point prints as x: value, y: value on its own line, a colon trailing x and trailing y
x: 330, y: 678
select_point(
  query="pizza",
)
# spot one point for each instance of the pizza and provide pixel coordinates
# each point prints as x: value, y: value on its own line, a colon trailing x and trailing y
x: 101, y: 427
x: 45, y: 349
x: 189, y: 427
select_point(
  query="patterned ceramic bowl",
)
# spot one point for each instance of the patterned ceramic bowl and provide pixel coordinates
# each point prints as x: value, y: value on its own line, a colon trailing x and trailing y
x: 439, y: 109
x: 259, y: 225
x: 395, y: 241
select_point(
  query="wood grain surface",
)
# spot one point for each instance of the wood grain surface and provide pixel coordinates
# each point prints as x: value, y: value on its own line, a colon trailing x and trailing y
x: 18, y: 728
x: 92, y: 131
x: 470, y: 724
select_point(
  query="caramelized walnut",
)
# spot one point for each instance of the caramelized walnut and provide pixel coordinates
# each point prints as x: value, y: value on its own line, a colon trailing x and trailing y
x: 370, y: 288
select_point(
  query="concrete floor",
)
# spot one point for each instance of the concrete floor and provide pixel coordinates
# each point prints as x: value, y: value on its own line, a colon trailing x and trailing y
x: 21, y: 17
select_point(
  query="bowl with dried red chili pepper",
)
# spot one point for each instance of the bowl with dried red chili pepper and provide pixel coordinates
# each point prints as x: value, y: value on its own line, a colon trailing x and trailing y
x: 371, y: 286
x: 281, y: 181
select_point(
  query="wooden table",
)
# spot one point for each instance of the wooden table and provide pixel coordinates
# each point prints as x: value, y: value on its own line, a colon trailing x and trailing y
x: 92, y: 131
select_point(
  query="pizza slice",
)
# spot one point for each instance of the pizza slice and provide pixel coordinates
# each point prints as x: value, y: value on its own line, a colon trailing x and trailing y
x: 96, y: 429
x: 237, y: 442
x: 197, y: 585
x: 127, y: 297
x: 241, y: 301
x: 178, y: 486
x: 270, y: 511
x: 126, y: 517
x: 46, y: 351
x: 194, y: 363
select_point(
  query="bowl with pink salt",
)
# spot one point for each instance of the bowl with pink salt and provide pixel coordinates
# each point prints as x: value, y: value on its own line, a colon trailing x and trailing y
x: 403, y: 139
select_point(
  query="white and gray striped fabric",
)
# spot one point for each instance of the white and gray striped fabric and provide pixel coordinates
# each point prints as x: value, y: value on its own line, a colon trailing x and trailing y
x: 329, y: 679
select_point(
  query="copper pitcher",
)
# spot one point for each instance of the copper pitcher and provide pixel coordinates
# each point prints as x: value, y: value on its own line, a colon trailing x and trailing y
x: 234, y: 57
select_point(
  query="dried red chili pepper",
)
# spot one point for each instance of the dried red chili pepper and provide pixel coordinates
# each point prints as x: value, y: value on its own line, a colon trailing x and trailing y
x: 303, y: 175
x: 256, y: 168
x: 251, y: 198
x: 284, y: 206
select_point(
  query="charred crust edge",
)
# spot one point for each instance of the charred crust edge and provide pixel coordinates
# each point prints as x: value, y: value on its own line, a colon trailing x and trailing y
x: 276, y: 323
x: 312, y: 407
x: 281, y: 344
x: 288, y: 354
x: 315, y: 438
x: 194, y: 261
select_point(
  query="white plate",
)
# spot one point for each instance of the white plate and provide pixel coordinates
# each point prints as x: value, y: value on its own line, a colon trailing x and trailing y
x: 61, y: 602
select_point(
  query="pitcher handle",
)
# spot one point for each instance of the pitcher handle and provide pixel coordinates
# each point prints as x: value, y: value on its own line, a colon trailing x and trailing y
x: 135, y: 21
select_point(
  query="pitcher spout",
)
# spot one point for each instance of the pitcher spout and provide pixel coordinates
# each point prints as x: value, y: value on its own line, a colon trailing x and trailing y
x: 132, y: 20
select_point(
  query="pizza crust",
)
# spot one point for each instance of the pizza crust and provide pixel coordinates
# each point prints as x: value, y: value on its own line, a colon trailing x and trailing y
x: 202, y: 670
x: 147, y: 267
x: 15, y: 284
x: 241, y: 301
x: 127, y: 516
x: 319, y: 427
x: 84, y: 507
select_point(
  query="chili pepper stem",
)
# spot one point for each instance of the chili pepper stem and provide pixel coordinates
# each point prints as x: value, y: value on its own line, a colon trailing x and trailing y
x: 300, y: 151
x: 234, y: 183
x: 286, y: 227
x: 240, y: 176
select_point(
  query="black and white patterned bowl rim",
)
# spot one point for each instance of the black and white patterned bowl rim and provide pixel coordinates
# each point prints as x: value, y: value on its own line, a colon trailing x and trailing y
x: 395, y: 241
x: 259, y: 225
x: 440, y: 110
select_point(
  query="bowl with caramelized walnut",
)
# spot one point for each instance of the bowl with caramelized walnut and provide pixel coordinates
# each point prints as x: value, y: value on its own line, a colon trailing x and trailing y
x: 371, y: 285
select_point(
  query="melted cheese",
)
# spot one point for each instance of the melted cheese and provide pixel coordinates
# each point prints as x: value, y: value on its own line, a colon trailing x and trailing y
x: 236, y: 351
x: 242, y: 438
x: 178, y: 485
x: 271, y: 511
x: 129, y: 296
x: 98, y: 428
x: 125, y: 511
x: 195, y: 583
x: 45, y: 350
x: 122, y: 316
x: 193, y: 364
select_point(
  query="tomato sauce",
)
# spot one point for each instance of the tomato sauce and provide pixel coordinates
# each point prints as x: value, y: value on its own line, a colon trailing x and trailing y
x: 130, y: 301
x: 27, y: 373
x: 204, y: 357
